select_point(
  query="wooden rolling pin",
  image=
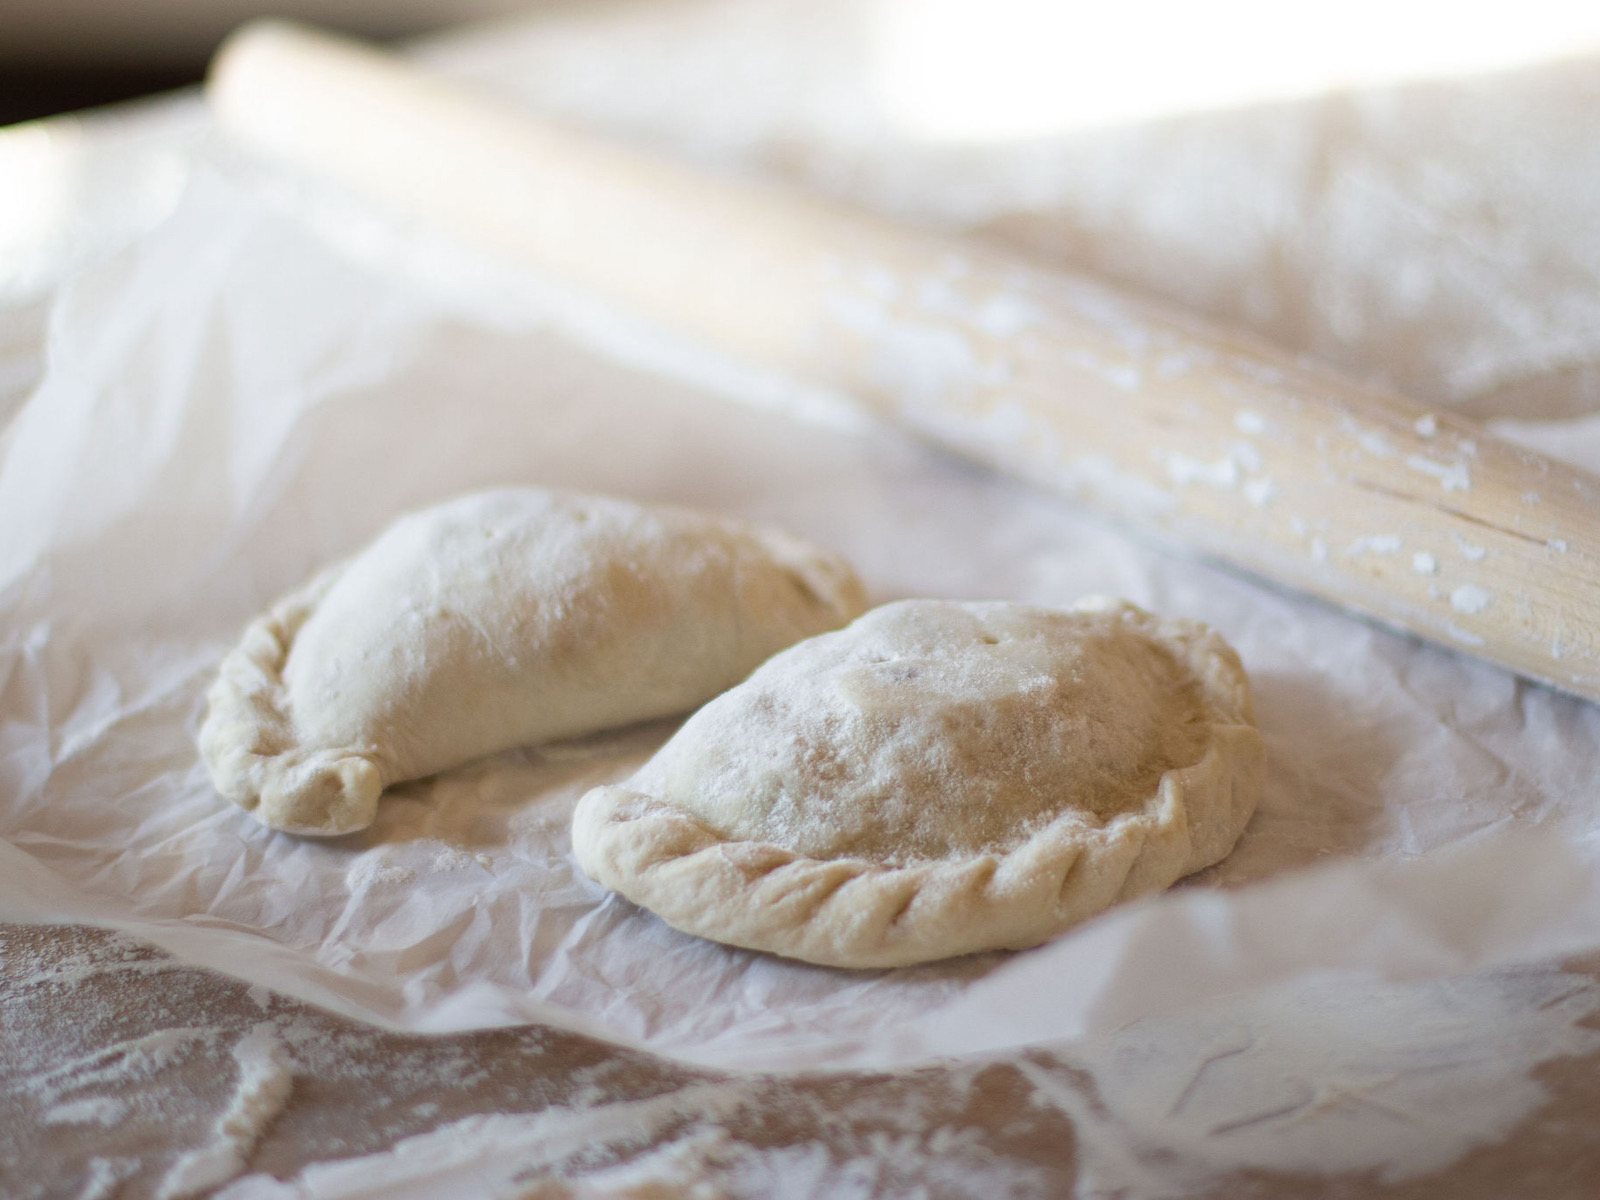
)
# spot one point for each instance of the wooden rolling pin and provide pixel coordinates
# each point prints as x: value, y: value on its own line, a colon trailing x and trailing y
x: 1420, y: 520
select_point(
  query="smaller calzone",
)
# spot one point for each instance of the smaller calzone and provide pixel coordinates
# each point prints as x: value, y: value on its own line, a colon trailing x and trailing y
x: 497, y: 620
x: 936, y: 779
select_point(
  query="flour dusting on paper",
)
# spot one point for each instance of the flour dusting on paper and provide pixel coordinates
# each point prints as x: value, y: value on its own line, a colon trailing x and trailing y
x: 1322, y: 1078
x: 261, y: 383
x: 461, y: 907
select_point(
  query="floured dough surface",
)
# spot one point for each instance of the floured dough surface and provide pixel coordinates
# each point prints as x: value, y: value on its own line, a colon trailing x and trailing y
x: 496, y: 620
x: 938, y: 778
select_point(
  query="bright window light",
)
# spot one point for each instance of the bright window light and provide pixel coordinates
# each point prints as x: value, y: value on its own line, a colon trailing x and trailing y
x: 995, y: 69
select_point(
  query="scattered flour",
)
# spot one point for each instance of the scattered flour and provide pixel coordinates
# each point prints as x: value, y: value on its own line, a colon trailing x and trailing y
x: 119, y: 1062
x: 1452, y: 477
x: 1469, y: 598
x: 1376, y: 544
x: 1259, y: 491
x: 1374, y: 443
x: 1321, y: 1077
x: 914, y: 360
x: 1246, y: 455
x: 675, y: 1146
x: 263, y: 1088
x: 106, y: 1176
x: 370, y: 871
x: 494, y: 1151
x: 1505, y: 1039
x: 92, y: 1110
x: 1183, y: 469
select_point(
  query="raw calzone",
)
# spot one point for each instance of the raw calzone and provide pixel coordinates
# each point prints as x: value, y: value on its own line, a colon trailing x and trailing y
x: 499, y: 620
x: 936, y: 779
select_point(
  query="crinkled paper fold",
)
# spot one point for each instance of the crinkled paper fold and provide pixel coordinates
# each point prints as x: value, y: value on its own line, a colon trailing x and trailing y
x: 261, y: 384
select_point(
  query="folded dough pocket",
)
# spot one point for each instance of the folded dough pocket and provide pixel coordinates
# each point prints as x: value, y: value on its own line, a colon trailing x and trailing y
x: 500, y: 619
x: 936, y: 779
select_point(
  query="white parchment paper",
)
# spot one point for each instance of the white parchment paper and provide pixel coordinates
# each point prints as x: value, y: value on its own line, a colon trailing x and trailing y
x: 271, y: 375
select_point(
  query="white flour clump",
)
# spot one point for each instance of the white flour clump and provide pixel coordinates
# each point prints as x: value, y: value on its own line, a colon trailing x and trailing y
x: 258, y: 1097
x: 93, y: 1110
x: 106, y: 1175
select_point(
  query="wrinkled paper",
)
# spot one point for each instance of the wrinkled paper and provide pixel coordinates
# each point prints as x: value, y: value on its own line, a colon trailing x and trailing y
x: 264, y: 381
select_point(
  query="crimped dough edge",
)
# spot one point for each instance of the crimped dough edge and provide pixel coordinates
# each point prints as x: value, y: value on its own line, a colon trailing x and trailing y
x: 861, y: 913
x: 255, y: 759
x: 248, y: 743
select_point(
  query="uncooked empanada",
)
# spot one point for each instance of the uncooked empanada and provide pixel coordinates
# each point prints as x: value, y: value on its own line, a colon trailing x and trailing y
x: 936, y: 779
x: 498, y: 620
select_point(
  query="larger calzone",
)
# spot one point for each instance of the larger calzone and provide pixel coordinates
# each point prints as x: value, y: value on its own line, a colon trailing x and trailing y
x: 938, y: 778
x: 497, y: 620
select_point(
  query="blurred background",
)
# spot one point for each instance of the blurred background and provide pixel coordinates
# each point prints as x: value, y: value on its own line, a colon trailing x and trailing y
x: 1406, y: 189
x: 59, y: 55
x: 1001, y: 66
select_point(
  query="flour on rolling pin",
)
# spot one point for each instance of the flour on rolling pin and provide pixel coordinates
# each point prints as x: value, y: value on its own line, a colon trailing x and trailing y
x: 1209, y: 438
